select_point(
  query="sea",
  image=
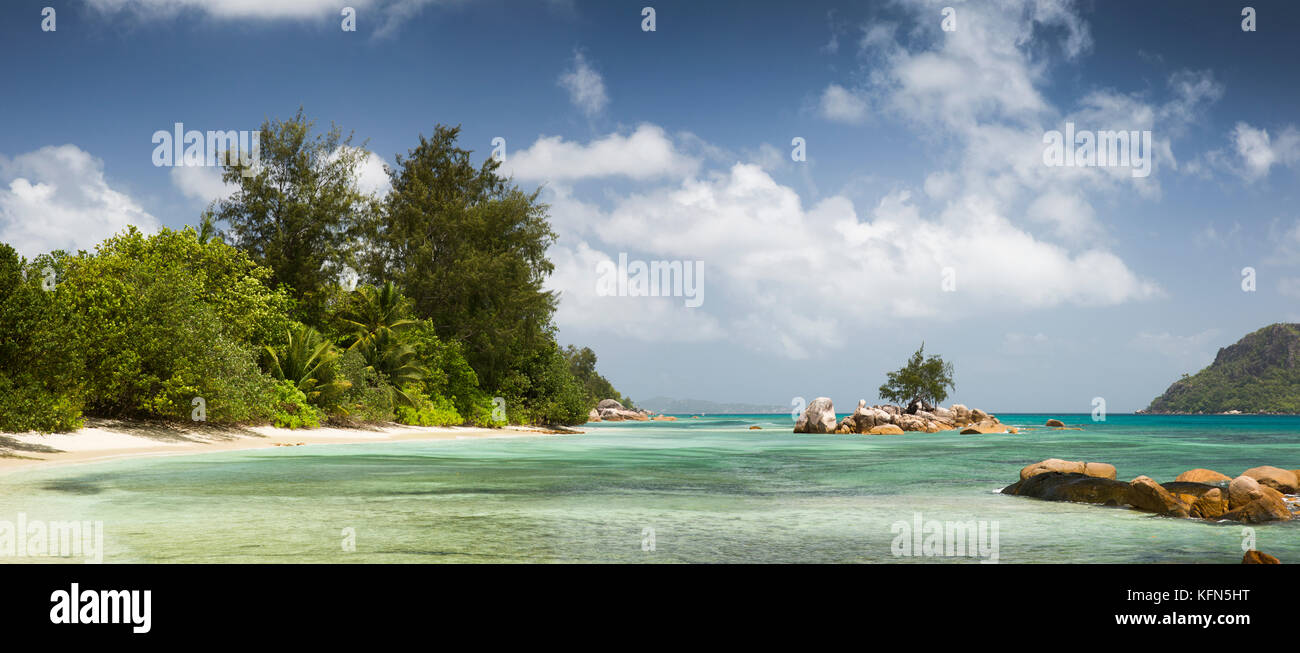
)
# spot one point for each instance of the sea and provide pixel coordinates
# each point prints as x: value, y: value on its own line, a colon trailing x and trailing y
x: 702, y: 489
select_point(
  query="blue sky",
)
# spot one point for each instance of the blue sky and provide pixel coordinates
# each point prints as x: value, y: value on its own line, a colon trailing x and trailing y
x: 923, y: 153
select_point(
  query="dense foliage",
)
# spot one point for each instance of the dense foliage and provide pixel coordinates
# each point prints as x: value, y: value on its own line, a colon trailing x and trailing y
x: 926, y: 379
x: 1258, y: 374
x: 450, y: 324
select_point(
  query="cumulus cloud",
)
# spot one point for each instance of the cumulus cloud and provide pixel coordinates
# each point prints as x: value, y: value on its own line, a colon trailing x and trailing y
x: 201, y: 183
x: 788, y: 276
x: 1258, y: 152
x: 839, y: 104
x: 388, y: 15
x: 586, y: 87
x: 647, y: 153
x: 57, y: 198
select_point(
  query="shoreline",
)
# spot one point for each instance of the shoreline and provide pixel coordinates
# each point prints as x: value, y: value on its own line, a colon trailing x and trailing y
x: 104, y: 439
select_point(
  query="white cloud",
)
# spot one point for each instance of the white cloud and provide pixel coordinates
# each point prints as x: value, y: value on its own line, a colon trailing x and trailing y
x: 1259, y: 152
x: 839, y: 104
x: 57, y: 198
x: 1195, y: 350
x: 201, y: 183
x: 585, y: 85
x: 790, y: 279
x: 232, y: 9
x: 788, y: 276
x: 204, y: 183
x: 389, y: 15
x: 646, y: 153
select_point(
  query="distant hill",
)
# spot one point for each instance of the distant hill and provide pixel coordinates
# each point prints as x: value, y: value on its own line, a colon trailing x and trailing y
x: 1259, y: 374
x: 682, y: 406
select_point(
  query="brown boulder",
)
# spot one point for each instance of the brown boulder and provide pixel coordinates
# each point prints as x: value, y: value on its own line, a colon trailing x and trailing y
x: 1100, y: 470
x: 1282, y: 480
x: 1200, y: 475
x: 885, y: 429
x: 755, y: 428
x: 1268, y: 507
x: 1146, y: 494
x: 1242, y: 490
x: 1054, y: 422
x: 1254, y: 557
x: 1205, y: 501
x: 1079, y: 488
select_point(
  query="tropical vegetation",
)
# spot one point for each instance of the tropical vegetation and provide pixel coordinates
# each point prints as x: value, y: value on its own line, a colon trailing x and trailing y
x: 252, y: 317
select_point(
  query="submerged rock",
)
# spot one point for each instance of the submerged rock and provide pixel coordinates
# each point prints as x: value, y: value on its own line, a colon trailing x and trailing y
x: 1054, y: 422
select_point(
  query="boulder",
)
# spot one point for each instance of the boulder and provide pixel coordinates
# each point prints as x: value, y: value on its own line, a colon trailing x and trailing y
x: 1079, y: 488
x: 961, y: 414
x: 910, y: 423
x: 1204, y: 501
x: 610, y: 410
x: 978, y: 415
x: 942, y: 414
x: 1200, y: 475
x: 1268, y: 507
x: 665, y: 418
x: 1054, y: 422
x: 755, y: 428
x: 865, y: 417
x: 818, y: 417
x: 1254, y: 557
x: 885, y: 429
x: 1099, y: 470
x: 1146, y: 494
x: 593, y: 416
x: 609, y: 403
x: 1242, y: 490
x: 845, y: 426
x: 1282, y: 480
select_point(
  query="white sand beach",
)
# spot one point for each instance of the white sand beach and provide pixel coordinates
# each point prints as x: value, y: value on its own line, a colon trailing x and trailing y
x: 105, y: 439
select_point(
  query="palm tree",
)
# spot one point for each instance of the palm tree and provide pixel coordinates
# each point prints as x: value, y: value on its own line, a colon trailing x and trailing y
x: 394, y: 360
x: 308, y: 362
x: 375, y: 313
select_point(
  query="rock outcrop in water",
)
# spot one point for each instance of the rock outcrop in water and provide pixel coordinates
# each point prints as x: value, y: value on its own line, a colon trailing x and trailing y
x: 819, y: 417
x: 1244, y: 499
x: 610, y: 410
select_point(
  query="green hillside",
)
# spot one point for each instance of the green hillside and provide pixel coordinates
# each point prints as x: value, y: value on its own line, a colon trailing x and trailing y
x: 1258, y: 374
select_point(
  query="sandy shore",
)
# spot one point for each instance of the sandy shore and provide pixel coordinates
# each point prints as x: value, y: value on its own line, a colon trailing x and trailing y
x: 111, y: 439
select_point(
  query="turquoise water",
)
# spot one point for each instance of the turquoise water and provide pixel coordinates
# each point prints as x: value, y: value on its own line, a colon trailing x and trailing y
x: 711, y: 489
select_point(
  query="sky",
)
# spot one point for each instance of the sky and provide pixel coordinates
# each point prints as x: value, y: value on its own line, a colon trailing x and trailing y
x: 924, y: 207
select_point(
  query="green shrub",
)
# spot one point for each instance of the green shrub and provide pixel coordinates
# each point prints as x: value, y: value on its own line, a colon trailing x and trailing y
x: 291, y: 409
x: 369, y: 398
x: 428, y: 411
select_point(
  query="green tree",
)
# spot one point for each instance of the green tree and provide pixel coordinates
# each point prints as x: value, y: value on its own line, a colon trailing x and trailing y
x: 162, y: 319
x: 310, y: 363
x: 470, y: 251
x: 582, y: 365
x: 926, y: 379
x: 372, y: 312
x: 299, y: 212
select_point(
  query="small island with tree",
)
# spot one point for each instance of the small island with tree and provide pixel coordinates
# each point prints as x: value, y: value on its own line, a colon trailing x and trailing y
x: 916, y: 388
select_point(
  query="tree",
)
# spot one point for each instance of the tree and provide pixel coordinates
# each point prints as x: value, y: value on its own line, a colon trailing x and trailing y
x: 298, y: 213
x: 582, y: 365
x: 310, y: 363
x: 926, y: 379
x: 470, y: 251
x: 373, y: 312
